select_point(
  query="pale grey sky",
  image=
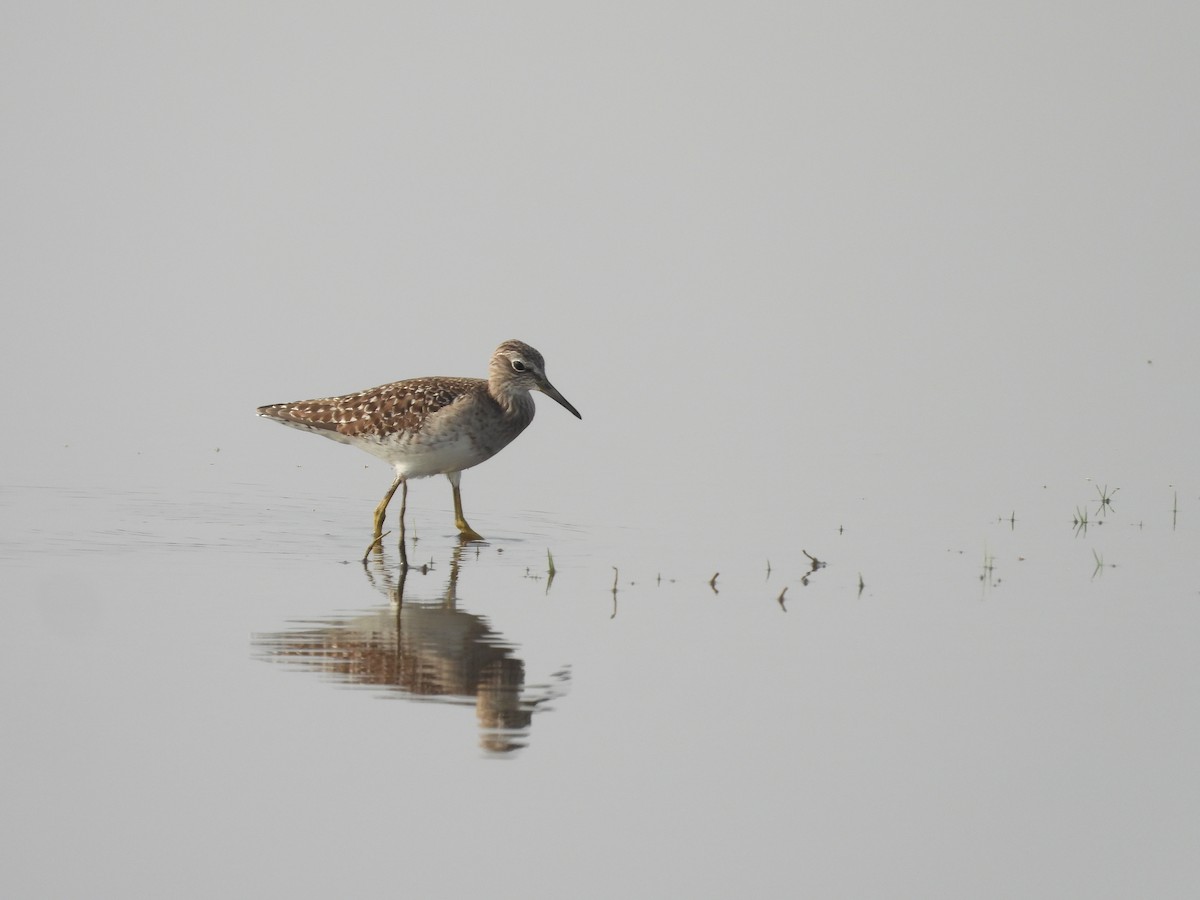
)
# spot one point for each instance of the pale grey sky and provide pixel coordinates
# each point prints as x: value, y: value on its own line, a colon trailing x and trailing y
x: 898, y: 267
x: 821, y: 222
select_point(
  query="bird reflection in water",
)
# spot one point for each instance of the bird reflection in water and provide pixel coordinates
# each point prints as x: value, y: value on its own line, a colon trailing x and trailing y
x: 422, y: 650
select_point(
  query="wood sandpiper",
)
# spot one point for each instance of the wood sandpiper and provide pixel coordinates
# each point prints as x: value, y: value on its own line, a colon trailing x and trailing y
x: 432, y: 426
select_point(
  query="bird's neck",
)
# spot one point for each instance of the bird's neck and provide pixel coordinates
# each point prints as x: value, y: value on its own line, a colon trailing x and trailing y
x: 516, y: 405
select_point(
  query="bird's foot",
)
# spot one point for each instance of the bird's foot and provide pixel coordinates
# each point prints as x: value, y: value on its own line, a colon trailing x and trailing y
x: 466, y: 533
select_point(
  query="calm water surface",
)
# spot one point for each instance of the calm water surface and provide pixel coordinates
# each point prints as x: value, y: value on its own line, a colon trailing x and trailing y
x: 185, y: 678
x: 909, y: 295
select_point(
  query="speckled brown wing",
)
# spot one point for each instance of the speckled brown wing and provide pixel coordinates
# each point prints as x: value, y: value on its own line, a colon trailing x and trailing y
x: 390, y: 409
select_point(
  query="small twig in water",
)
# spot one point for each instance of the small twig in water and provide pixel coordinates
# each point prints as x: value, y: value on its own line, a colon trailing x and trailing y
x: 1106, y: 499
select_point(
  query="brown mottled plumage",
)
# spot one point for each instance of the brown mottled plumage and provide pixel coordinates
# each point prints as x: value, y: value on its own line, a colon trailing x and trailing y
x: 432, y: 426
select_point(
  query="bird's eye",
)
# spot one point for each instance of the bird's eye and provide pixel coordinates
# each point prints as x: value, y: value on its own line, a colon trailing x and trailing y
x: 518, y: 365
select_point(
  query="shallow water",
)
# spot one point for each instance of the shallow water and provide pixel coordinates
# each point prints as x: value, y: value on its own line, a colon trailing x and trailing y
x: 1023, y: 690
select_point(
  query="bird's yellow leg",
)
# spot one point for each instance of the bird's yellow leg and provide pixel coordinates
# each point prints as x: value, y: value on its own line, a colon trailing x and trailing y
x: 403, y: 508
x: 381, y: 509
x: 465, y: 531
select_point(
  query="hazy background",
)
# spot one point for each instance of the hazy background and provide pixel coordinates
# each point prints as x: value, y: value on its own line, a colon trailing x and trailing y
x: 903, y: 269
